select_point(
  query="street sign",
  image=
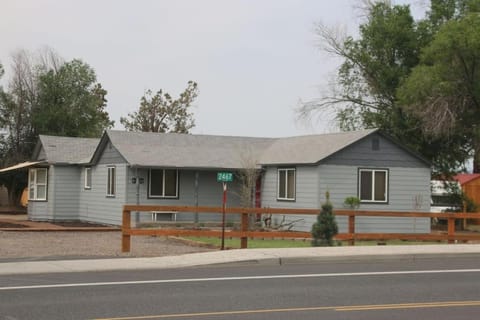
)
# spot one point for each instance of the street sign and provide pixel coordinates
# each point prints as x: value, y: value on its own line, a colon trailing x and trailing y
x: 224, y: 177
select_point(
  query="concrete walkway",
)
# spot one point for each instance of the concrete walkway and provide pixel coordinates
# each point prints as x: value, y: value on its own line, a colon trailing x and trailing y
x: 245, y: 256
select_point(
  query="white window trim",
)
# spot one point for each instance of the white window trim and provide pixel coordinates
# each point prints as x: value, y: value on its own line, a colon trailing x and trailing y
x: 111, y: 180
x: 35, y: 184
x: 86, y: 184
x: 286, y: 184
x: 373, y: 171
x: 163, y: 183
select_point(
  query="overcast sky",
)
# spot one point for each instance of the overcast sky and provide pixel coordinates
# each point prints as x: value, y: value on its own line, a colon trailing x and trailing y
x: 252, y: 59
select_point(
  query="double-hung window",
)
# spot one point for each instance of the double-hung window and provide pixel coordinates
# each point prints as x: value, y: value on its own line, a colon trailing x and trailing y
x: 88, y: 178
x: 286, y: 184
x: 163, y: 183
x: 37, y: 183
x: 373, y: 185
x: 111, y: 181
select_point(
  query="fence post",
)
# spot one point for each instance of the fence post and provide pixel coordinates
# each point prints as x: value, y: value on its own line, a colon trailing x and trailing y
x: 244, y: 228
x: 451, y: 230
x: 126, y: 225
x: 351, y: 230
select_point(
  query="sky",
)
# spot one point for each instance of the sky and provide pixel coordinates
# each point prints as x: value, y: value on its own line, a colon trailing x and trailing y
x: 253, y: 60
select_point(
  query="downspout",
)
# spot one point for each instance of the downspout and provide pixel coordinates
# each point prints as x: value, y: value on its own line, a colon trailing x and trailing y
x: 137, y: 182
x: 196, y: 196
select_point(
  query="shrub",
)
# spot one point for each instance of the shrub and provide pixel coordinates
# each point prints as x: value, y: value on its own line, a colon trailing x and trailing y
x: 352, y: 202
x: 326, y: 226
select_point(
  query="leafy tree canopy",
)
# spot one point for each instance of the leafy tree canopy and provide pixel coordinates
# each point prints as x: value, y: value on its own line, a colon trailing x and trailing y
x: 392, y: 48
x: 71, y: 102
x: 46, y: 95
x: 159, y: 112
x: 444, y: 89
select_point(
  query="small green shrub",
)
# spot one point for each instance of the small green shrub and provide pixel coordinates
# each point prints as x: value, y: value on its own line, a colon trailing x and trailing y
x: 326, y: 226
x: 352, y: 202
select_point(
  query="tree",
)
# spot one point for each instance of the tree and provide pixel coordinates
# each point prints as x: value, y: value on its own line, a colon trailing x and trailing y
x: 46, y: 95
x: 159, y: 112
x: 444, y: 89
x: 326, y: 226
x: 376, y: 64
x: 71, y: 102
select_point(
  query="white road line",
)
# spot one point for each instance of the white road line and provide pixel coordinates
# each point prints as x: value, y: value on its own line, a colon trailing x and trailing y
x: 286, y: 276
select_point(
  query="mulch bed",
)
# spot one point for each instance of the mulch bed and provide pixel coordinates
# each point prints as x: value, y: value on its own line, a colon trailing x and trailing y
x: 11, y: 225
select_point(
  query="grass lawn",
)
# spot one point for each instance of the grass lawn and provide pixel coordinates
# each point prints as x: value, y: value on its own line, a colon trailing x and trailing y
x: 288, y: 243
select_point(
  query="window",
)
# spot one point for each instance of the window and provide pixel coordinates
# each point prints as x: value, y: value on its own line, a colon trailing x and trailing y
x: 163, y: 183
x: 88, y: 178
x: 111, y: 182
x: 286, y: 184
x: 37, y: 182
x: 373, y: 185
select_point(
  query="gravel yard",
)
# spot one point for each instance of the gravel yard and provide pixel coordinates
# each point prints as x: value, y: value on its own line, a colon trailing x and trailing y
x: 75, y: 244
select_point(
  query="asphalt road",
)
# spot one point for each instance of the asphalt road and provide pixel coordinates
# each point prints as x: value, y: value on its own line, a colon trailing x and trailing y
x: 391, y: 289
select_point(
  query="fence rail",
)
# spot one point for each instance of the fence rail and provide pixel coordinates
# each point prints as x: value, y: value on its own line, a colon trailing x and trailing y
x: 244, y: 233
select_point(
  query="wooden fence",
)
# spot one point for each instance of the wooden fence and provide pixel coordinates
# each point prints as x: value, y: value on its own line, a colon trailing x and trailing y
x: 244, y: 233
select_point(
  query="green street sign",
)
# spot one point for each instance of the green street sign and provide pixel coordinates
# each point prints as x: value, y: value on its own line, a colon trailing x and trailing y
x: 224, y: 177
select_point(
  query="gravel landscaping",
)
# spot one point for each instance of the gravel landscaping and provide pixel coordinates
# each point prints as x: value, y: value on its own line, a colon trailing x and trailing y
x: 76, y: 244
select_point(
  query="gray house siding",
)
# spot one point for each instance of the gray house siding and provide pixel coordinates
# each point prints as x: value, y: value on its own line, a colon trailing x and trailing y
x: 409, y: 190
x: 65, y: 191
x: 209, y: 193
x: 362, y: 153
x: 38, y: 211
x: 110, y: 155
x: 95, y: 205
x: 306, y: 195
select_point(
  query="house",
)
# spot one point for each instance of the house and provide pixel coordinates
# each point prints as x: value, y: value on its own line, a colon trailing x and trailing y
x: 470, y: 185
x: 54, y: 179
x: 91, y: 179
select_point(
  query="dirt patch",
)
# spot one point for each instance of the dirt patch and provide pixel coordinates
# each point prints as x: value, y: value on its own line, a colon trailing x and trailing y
x: 78, y: 224
x: 6, y: 225
x: 71, y: 244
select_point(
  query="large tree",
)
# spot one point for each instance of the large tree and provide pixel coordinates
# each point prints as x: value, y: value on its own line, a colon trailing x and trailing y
x: 46, y: 95
x: 374, y: 67
x: 159, y: 112
x: 71, y: 102
x: 444, y: 89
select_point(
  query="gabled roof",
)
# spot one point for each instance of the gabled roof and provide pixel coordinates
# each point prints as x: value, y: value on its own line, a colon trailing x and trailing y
x: 65, y: 150
x: 465, y: 177
x: 147, y: 149
x: 310, y: 149
x: 174, y: 150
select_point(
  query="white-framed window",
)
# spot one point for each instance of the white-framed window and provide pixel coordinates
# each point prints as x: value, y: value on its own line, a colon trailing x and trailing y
x: 88, y: 178
x: 111, y: 181
x: 163, y: 183
x: 373, y: 185
x: 37, y: 184
x: 286, y: 184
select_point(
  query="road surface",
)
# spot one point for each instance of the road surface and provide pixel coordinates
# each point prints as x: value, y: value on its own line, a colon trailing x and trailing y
x: 430, y: 288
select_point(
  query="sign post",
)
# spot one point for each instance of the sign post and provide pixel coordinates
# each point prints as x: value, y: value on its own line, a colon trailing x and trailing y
x: 224, y: 177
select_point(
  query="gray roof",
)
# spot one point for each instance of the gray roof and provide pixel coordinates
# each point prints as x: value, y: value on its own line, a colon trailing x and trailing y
x: 67, y: 150
x: 309, y: 149
x: 146, y: 149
